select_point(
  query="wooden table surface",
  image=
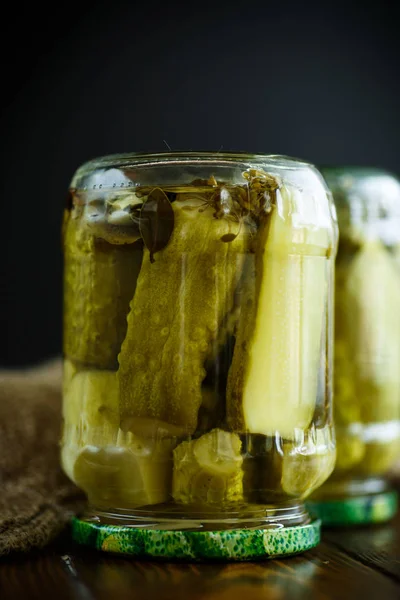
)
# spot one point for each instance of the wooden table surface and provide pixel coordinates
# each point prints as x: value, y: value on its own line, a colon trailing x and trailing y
x: 349, y: 564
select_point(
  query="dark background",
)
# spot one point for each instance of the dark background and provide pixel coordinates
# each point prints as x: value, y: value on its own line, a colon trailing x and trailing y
x: 320, y: 82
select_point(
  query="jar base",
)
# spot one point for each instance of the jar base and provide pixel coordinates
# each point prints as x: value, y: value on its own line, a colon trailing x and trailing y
x: 355, y: 510
x: 193, y: 546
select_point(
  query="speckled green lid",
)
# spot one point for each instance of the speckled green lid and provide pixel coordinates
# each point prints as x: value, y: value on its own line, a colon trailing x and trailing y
x: 356, y: 510
x: 233, y: 545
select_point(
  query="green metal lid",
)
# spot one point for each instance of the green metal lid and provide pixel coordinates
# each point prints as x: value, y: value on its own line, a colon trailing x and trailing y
x: 356, y: 510
x: 232, y: 545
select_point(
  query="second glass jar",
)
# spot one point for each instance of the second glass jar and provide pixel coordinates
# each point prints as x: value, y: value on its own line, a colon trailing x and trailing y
x: 367, y: 346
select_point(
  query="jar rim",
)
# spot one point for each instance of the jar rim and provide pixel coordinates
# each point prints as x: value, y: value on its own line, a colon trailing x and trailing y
x: 355, y: 170
x: 191, y: 156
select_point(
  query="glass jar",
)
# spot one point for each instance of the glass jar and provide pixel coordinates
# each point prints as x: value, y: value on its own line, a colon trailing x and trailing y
x: 367, y: 347
x: 198, y: 349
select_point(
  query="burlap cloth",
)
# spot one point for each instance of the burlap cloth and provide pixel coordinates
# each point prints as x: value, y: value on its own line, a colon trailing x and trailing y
x: 36, y: 498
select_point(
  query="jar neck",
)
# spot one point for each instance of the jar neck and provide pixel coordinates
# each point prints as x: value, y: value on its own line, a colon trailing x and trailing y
x: 176, y: 518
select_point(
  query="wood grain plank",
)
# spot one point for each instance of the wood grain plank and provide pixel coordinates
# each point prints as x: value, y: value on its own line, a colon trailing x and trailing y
x: 344, y: 577
x: 375, y: 546
x: 71, y: 572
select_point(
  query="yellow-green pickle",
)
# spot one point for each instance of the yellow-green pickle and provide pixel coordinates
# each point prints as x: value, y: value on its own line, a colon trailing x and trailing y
x: 198, y: 323
x: 367, y: 348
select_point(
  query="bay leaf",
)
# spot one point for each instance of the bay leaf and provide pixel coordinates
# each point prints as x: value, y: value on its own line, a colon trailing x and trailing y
x: 156, y: 221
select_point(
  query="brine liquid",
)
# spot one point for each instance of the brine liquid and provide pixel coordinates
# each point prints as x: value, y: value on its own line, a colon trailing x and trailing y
x: 196, y: 344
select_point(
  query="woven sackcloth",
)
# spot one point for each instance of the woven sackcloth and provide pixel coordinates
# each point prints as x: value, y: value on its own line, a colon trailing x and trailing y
x: 36, y: 498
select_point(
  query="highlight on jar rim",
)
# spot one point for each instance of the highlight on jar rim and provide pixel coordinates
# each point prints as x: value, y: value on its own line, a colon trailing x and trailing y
x: 367, y: 348
x: 198, y: 349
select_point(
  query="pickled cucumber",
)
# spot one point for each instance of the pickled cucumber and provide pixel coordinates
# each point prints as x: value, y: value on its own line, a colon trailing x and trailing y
x: 396, y: 254
x: 208, y: 471
x: 134, y: 473
x: 370, y: 457
x: 100, y: 281
x: 373, y: 331
x: 351, y: 450
x: 380, y: 457
x: 113, y: 468
x: 90, y: 413
x: 367, y: 355
x: 305, y: 467
x: 272, y: 384
x: 179, y: 304
x: 347, y: 401
x: 302, y: 473
x: 69, y: 371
